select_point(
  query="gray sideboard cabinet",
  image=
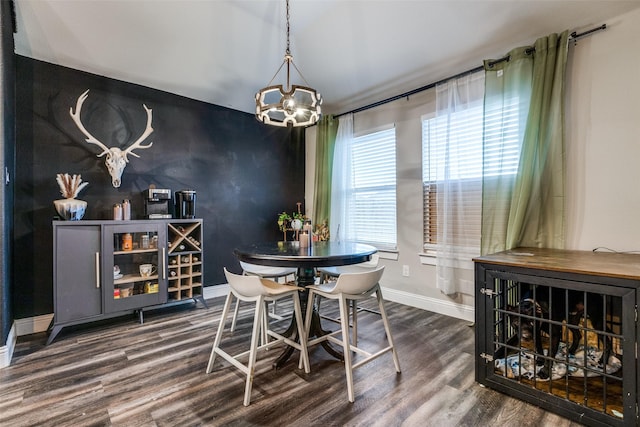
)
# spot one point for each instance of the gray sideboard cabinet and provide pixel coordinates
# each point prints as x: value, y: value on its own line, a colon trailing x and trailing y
x: 104, y: 269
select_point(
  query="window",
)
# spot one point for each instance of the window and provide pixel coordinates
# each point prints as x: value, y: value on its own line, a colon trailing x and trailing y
x: 371, y: 198
x: 499, y: 144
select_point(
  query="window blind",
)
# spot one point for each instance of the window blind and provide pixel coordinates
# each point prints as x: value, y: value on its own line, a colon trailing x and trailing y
x: 372, y: 202
x: 482, y: 143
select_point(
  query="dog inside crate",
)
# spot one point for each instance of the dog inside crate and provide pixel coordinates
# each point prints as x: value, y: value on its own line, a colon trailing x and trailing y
x: 545, y: 332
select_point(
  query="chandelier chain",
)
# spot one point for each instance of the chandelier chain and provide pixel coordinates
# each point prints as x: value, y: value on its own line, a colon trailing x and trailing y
x: 288, y: 44
x: 289, y: 105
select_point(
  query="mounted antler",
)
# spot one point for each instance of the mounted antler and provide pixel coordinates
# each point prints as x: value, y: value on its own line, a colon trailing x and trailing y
x: 116, y: 159
x: 144, y: 135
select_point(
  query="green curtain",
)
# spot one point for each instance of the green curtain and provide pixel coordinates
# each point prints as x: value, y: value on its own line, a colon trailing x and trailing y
x: 327, y: 128
x: 527, y: 209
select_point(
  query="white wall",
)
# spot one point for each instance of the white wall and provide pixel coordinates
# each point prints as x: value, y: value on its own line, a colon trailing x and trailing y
x: 602, y: 154
x: 603, y: 138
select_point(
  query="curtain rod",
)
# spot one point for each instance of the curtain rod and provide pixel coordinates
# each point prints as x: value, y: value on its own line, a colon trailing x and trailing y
x: 573, y: 36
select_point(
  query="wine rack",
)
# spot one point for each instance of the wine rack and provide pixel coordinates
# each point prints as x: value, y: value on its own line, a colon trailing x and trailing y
x: 184, y: 260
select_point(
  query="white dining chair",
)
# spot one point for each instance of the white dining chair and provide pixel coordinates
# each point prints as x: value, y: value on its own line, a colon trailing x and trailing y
x: 288, y: 274
x: 351, y: 287
x: 329, y: 273
x: 332, y: 273
x: 268, y: 272
x: 257, y: 290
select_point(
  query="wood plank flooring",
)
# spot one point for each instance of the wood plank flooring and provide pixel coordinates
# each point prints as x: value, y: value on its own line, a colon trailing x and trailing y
x: 121, y: 373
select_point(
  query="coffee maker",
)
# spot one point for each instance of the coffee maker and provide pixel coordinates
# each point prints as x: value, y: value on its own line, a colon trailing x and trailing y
x: 186, y: 204
x: 157, y: 203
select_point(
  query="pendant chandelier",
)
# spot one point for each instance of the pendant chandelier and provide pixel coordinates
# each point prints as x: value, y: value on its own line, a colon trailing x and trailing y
x: 293, y: 105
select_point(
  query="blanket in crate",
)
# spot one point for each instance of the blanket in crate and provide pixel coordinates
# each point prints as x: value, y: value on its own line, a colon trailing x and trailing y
x: 523, y: 364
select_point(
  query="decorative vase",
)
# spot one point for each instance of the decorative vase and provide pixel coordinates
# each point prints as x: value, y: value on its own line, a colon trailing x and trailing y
x: 296, y: 224
x: 70, y: 209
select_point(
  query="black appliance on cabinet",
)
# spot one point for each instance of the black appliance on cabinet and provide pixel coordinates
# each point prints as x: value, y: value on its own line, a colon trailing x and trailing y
x: 186, y: 204
x: 157, y: 203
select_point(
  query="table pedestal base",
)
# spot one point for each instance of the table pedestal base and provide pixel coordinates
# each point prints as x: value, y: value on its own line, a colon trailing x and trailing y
x: 306, y: 277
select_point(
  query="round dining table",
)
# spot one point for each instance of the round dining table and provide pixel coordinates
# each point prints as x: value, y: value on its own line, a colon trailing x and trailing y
x: 306, y: 259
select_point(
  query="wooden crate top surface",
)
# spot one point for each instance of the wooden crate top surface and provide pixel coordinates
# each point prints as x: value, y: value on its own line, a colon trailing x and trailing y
x: 608, y: 264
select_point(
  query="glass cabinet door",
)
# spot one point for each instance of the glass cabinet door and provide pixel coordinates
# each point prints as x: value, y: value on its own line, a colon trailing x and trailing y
x: 134, y: 266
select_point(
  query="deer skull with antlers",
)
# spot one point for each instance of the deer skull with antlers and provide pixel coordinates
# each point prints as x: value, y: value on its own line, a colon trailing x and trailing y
x: 116, y: 159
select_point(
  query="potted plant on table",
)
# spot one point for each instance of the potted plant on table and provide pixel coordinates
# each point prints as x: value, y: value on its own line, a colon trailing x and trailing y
x: 297, y: 221
x: 291, y: 222
x: 283, y: 223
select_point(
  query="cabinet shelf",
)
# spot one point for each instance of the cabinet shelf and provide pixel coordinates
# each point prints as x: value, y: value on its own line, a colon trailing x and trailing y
x: 132, y: 278
x: 134, y: 296
x: 182, y: 288
x: 136, y: 251
x: 185, y: 264
x: 185, y: 276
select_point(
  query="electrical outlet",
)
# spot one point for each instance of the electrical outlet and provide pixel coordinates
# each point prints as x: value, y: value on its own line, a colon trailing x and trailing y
x: 405, y: 270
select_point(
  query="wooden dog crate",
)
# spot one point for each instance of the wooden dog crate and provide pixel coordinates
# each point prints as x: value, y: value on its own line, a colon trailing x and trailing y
x: 532, y: 304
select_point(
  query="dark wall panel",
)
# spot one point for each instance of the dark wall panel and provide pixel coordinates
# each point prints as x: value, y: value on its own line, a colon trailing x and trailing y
x: 7, y: 147
x: 244, y: 172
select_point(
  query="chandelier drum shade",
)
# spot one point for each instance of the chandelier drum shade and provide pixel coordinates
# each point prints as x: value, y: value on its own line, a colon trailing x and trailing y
x: 290, y: 105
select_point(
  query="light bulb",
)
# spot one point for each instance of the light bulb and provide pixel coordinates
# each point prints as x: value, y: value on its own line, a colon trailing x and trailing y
x: 289, y: 104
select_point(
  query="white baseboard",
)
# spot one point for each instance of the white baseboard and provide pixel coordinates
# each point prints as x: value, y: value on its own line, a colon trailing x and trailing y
x: 209, y: 292
x: 32, y: 325
x: 448, y: 308
x: 6, y: 351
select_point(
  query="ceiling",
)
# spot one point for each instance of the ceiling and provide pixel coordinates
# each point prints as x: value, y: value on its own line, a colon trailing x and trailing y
x: 352, y: 51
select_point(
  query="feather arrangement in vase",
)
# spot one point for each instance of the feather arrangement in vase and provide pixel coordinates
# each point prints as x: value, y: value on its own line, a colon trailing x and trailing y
x: 70, y: 208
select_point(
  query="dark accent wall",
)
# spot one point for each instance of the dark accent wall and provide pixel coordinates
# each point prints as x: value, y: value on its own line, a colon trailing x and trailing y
x: 244, y: 172
x: 7, y: 162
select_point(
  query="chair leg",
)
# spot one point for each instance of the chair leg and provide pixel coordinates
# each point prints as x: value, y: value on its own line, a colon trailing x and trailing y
x: 354, y: 315
x: 317, y: 303
x: 251, y: 366
x: 216, y: 342
x: 344, y: 321
x: 307, y: 319
x: 385, y: 321
x: 235, y: 316
x: 304, y: 355
x: 264, y: 337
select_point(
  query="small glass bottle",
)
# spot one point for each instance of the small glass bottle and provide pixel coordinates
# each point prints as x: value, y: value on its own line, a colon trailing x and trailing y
x: 127, y: 242
x: 126, y: 210
x: 117, y: 212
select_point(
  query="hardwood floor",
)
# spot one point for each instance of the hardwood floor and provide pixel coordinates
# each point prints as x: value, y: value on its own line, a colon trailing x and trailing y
x: 122, y: 373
